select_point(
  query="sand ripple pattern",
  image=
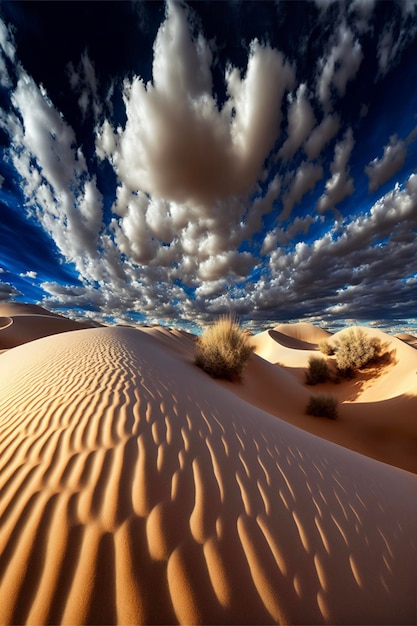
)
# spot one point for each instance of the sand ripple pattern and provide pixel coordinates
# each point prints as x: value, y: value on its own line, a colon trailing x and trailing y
x: 134, y: 489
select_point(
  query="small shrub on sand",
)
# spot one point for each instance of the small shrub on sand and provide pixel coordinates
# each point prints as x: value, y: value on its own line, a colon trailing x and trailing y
x: 318, y: 371
x: 323, y: 405
x: 326, y: 348
x: 355, y: 350
x: 223, y: 349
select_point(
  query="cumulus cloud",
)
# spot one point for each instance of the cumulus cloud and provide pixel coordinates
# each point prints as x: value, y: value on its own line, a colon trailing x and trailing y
x: 362, y: 11
x: 83, y: 80
x: 304, y: 180
x: 177, y: 144
x: 340, y: 66
x: 8, y: 292
x: 381, y: 170
x: 55, y: 177
x: 396, y: 36
x: 192, y: 226
x: 281, y: 236
x: 7, y: 53
x: 300, y: 122
x: 321, y: 135
x: 335, y: 275
x: 340, y: 184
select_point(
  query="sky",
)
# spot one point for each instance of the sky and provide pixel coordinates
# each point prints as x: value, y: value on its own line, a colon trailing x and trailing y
x: 173, y: 162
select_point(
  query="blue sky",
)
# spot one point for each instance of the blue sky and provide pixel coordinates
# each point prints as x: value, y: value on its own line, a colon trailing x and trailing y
x: 170, y: 162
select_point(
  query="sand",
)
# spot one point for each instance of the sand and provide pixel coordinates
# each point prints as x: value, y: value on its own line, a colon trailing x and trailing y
x: 136, y: 489
x: 21, y: 323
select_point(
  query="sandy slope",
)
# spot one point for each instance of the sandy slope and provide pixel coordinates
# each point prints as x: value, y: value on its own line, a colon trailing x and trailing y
x: 135, y: 489
x: 20, y: 323
x: 378, y: 410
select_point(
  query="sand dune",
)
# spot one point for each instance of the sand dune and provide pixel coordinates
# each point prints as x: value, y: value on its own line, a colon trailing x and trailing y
x: 21, y: 323
x: 21, y: 308
x: 410, y: 339
x: 304, y: 331
x: 378, y: 407
x: 136, y: 489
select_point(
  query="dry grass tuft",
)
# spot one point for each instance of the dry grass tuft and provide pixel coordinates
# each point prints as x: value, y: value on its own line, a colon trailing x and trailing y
x: 326, y: 348
x: 223, y: 349
x: 318, y: 371
x: 323, y: 405
x: 355, y: 350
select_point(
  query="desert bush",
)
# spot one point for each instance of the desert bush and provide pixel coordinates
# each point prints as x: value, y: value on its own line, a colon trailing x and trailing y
x: 326, y: 348
x: 355, y: 350
x: 223, y: 349
x: 323, y: 405
x: 318, y: 371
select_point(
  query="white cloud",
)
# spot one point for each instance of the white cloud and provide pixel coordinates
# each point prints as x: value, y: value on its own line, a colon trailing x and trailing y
x: 381, y: 170
x: 340, y: 184
x: 396, y: 35
x: 321, y: 135
x: 84, y: 81
x: 340, y: 66
x: 177, y: 144
x: 8, y: 292
x: 300, y: 123
x: 7, y: 53
x: 362, y: 11
x: 6, y: 42
x: 280, y: 236
x: 304, y: 180
x: 29, y: 274
x: 54, y: 174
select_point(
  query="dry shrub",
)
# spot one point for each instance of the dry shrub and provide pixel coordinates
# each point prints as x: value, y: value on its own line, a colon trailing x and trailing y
x: 323, y: 405
x: 326, y: 348
x: 223, y: 349
x: 318, y: 371
x: 355, y: 350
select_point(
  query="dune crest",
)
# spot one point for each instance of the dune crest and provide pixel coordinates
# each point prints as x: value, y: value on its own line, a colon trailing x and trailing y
x: 135, y: 489
x: 21, y: 323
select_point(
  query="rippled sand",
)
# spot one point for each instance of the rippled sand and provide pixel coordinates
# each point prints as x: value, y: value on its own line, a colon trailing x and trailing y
x: 136, y: 489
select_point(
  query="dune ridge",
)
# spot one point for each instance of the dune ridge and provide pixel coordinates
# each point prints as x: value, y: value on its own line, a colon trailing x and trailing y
x: 138, y: 490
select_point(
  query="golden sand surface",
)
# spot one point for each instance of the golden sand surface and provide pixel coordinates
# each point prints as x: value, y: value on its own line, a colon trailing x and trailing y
x: 138, y: 490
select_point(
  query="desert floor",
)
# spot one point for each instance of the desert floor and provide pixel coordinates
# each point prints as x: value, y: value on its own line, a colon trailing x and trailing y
x: 137, y: 489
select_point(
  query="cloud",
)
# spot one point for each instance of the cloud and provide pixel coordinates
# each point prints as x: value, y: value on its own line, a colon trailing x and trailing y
x: 8, y: 292
x: 283, y: 236
x: 300, y: 123
x: 362, y: 11
x: 334, y: 277
x: 304, y: 180
x: 7, y: 54
x: 191, y: 226
x: 177, y: 144
x: 29, y: 274
x: 321, y: 135
x: 84, y: 81
x: 55, y: 178
x: 381, y: 170
x: 340, y: 184
x: 340, y: 66
x: 396, y: 36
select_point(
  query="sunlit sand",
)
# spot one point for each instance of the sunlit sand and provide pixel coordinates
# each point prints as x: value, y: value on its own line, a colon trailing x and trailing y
x: 136, y: 489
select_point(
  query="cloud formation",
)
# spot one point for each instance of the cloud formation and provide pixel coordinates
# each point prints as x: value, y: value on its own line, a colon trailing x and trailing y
x: 177, y: 144
x: 339, y: 67
x: 340, y: 184
x: 216, y: 186
x: 381, y: 170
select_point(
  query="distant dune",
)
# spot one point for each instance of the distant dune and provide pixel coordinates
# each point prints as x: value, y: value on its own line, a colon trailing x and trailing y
x: 20, y: 323
x: 136, y: 489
